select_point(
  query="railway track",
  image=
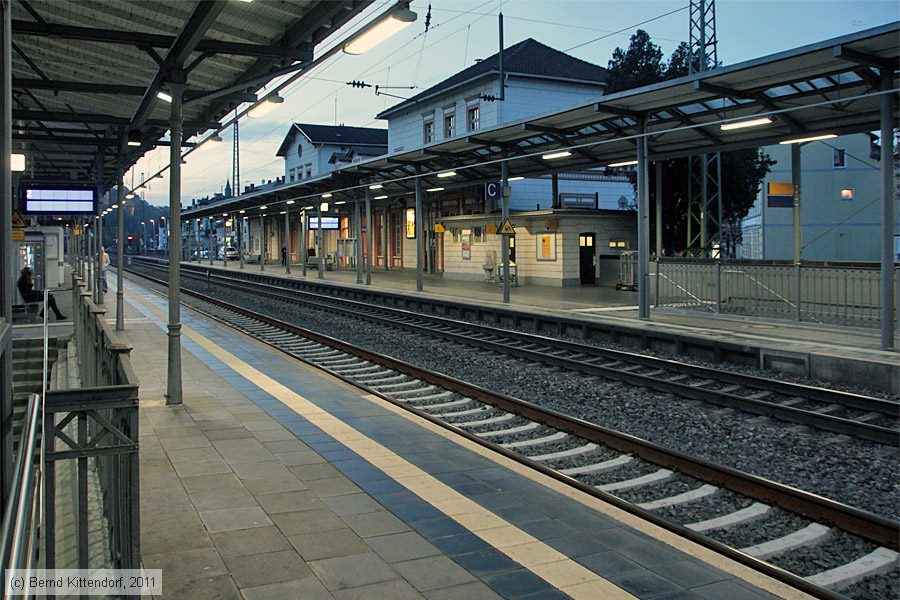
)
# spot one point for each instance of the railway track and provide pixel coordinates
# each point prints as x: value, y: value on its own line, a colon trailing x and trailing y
x: 860, y: 416
x: 800, y: 538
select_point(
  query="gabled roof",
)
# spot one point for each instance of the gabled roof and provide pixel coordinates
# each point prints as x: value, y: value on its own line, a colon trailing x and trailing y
x: 528, y: 57
x: 337, y: 135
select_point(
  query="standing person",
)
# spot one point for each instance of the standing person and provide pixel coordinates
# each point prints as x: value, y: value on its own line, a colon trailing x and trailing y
x: 283, y: 256
x: 29, y: 294
x: 103, y: 264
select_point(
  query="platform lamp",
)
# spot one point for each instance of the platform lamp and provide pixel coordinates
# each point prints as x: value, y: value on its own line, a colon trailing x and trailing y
x: 380, y: 30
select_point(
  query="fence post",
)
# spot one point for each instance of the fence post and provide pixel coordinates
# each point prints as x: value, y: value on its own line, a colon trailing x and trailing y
x: 797, y: 286
x: 718, y: 286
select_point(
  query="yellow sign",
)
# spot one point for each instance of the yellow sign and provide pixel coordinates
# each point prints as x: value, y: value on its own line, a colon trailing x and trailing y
x: 507, y: 228
x: 77, y: 229
x: 18, y: 227
x: 439, y: 228
x: 490, y: 229
x: 410, y: 223
x: 17, y: 221
x: 777, y: 188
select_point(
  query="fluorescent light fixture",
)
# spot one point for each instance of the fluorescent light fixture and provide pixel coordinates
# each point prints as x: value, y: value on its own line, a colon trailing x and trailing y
x: 340, y: 202
x: 224, y: 214
x: 814, y: 138
x: 17, y: 163
x: 242, y: 211
x: 746, y: 123
x: 164, y: 96
x: 519, y: 178
x: 327, y: 195
x: 323, y: 207
x: 129, y: 195
x: 624, y: 163
x: 380, y: 197
x: 436, y: 189
x: 265, y: 106
x: 377, y: 32
x: 560, y: 154
x: 284, y: 212
x: 263, y: 207
x: 289, y: 202
x: 446, y: 174
x: 376, y: 186
x: 114, y: 206
x: 308, y: 207
x: 214, y: 138
x: 134, y: 143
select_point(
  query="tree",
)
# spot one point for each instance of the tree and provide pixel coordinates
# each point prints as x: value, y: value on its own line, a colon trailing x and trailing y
x: 641, y: 64
x: 742, y: 170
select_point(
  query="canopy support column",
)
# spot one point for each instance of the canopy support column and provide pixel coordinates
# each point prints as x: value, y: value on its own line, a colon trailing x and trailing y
x: 287, y: 239
x: 887, y: 211
x: 504, y: 239
x: 419, y: 236
x: 369, y: 232
x: 357, y: 220
x: 643, y: 190
x: 120, y: 237
x: 7, y: 252
x: 320, y: 260
x: 173, y: 384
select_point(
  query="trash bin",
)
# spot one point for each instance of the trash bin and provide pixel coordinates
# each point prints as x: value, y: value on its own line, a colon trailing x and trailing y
x: 628, y: 271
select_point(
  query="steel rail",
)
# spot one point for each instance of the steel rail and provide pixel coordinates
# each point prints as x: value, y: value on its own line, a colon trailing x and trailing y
x: 862, y: 523
x: 720, y: 397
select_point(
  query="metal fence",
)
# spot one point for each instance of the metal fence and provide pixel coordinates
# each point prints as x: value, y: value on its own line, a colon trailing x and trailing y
x: 96, y: 426
x: 91, y: 432
x: 838, y: 294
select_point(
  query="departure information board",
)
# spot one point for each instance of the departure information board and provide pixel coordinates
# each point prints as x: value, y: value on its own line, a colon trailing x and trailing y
x: 58, y: 200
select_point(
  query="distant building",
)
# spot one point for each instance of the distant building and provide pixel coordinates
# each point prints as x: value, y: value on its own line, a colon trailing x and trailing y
x: 313, y: 150
x: 539, y: 79
x: 840, y: 203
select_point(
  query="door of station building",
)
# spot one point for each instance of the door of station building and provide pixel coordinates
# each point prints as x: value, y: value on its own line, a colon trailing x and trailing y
x: 586, y: 253
x: 397, y: 233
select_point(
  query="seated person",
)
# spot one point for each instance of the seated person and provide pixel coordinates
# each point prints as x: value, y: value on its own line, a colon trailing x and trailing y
x: 26, y: 288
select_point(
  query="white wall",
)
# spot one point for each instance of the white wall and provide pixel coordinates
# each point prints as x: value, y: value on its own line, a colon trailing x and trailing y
x: 525, y: 97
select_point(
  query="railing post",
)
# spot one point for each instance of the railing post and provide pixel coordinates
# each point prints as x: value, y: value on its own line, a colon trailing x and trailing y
x: 718, y: 286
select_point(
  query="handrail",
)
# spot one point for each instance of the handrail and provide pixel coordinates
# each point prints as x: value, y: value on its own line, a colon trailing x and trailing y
x: 19, y: 509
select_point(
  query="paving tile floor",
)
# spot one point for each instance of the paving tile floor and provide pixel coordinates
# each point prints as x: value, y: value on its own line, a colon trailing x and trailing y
x: 242, y: 497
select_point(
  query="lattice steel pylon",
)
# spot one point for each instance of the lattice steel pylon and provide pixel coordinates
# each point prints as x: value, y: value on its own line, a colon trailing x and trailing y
x: 704, y: 226
x: 236, y: 159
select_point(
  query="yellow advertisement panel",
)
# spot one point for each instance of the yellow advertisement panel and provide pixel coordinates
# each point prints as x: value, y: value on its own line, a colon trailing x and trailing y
x: 410, y: 223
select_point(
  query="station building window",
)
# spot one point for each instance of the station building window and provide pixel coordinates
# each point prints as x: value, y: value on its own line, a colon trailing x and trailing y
x: 473, y: 118
x: 449, y: 125
x: 618, y: 244
x: 307, y: 170
x: 839, y: 159
x: 428, y: 132
x: 293, y: 174
x: 847, y: 194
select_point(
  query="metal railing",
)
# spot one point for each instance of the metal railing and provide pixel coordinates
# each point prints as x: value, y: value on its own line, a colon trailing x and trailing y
x: 839, y: 294
x: 19, y: 545
x: 96, y: 426
x: 91, y: 432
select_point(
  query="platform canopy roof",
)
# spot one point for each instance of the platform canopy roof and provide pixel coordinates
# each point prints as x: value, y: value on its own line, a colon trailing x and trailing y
x: 830, y: 87
x: 87, y: 73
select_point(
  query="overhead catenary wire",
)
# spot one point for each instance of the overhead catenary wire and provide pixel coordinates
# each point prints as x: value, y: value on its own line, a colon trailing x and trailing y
x: 299, y: 82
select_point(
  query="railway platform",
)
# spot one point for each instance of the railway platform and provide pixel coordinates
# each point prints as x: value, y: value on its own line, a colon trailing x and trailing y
x: 275, y: 480
x: 843, y: 355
